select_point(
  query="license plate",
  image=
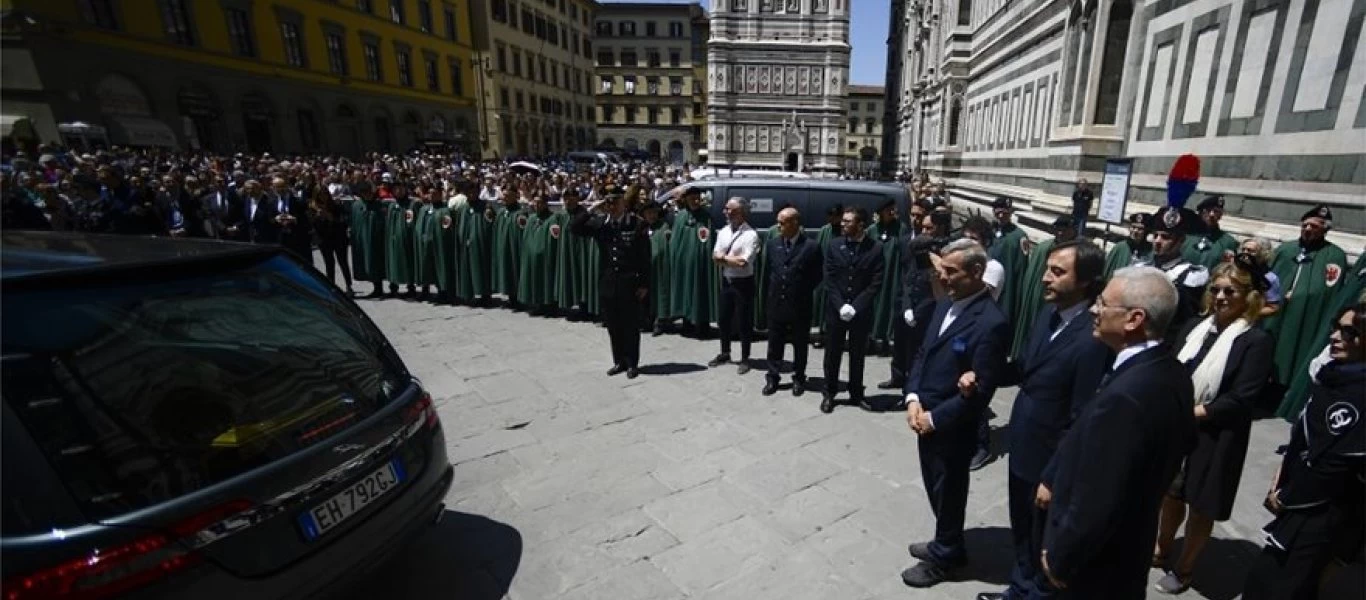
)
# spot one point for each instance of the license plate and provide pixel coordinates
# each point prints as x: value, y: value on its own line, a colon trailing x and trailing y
x: 323, y: 517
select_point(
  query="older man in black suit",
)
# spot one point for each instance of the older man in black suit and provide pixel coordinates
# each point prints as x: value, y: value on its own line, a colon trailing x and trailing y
x: 794, y: 270
x: 853, y: 274
x: 1104, y: 485
x: 1058, y: 374
x: 253, y: 218
x: 967, y: 337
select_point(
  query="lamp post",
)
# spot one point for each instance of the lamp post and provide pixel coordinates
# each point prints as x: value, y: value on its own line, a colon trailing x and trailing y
x: 481, y: 64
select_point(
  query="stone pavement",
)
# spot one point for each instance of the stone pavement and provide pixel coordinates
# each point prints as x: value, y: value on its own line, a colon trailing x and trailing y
x: 686, y: 482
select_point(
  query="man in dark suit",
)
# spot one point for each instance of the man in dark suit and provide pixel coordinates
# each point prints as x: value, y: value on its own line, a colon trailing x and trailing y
x: 853, y: 274
x: 624, y: 282
x: 967, y: 336
x: 1104, y: 485
x: 1058, y: 374
x: 179, y: 208
x: 253, y: 219
x: 291, y: 213
x: 216, y: 206
x: 915, y: 298
x: 794, y: 270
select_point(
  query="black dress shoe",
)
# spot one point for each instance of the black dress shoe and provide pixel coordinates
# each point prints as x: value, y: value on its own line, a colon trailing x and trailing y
x: 658, y: 330
x: 863, y: 403
x: 632, y: 373
x: 890, y: 384
x: 991, y: 596
x: 798, y: 387
x: 615, y: 370
x: 720, y: 359
x: 828, y: 403
x: 743, y: 368
x: 981, y: 459
x: 770, y: 388
x: 920, y: 550
x: 926, y: 574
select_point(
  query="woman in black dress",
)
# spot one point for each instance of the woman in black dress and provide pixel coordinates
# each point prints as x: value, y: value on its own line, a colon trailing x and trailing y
x: 1229, y: 359
x: 330, y: 225
x: 1317, y: 495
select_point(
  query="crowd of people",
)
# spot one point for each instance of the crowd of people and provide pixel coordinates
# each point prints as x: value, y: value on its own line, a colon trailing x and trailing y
x: 1140, y: 369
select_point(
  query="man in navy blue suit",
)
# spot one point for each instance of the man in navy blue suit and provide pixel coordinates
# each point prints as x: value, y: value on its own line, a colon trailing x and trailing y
x: 1105, y: 484
x: 794, y: 270
x: 966, y: 334
x: 1058, y: 374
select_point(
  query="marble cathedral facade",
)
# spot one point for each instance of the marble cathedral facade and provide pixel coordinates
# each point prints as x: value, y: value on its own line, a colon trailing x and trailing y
x: 1027, y: 96
x: 779, y: 71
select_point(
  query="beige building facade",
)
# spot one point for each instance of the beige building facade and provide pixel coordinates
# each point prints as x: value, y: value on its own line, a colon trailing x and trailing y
x: 534, y: 76
x: 863, y: 135
x: 648, y: 94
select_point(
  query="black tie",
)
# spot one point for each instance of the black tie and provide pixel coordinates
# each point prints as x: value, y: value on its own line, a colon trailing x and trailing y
x: 1105, y: 380
x: 1054, y: 322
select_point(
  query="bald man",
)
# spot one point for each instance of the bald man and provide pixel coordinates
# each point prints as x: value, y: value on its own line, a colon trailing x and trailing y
x: 794, y: 271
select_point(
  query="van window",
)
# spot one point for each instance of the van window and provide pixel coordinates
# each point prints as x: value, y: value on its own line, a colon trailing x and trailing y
x: 765, y: 202
x: 142, y: 391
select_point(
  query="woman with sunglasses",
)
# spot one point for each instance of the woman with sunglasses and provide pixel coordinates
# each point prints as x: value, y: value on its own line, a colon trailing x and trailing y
x: 1229, y: 359
x: 1317, y: 495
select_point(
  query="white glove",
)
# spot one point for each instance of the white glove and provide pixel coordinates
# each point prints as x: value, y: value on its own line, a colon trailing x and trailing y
x: 909, y: 315
x: 846, y: 312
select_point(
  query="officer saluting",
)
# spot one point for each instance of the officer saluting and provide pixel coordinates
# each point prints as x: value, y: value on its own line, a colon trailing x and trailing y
x: 624, y: 282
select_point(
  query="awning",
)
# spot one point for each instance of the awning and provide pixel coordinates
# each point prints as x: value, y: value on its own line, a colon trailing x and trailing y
x: 142, y: 131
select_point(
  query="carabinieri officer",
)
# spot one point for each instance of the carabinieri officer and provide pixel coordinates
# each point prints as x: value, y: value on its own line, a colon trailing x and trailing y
x: 624, y: 282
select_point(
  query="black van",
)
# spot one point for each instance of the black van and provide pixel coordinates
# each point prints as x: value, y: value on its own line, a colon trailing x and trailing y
x: 199, y: 419
x: 811, y: 197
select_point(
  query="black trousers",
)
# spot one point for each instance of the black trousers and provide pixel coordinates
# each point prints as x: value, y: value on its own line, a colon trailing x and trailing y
x: 854, y: 336
x: 1026, y: 532
x: 1293, y: 573
x: 622, y: 316
x: 906, y: 341
x: 737, y: 313
x: 336, y: 256
x: 944, y: 459
x: 795, y: 331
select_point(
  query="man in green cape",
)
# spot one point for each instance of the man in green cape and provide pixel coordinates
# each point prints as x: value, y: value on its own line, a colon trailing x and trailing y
x: 1213, y: 245
x: 540, y: 251
x: 576, y: 278
x: 1310, y: 269
x: 693, y: 280
x: 1008, y: 250
x: 659, y: 233
x: 473, y: 240
x: 1349, y: 293
x: 399, y: 246
x: 829, y: 231
x: 447, y: 258
x: 1132, y: 250
x: 509, y: 221
x: 887, y: 231
x: 426, y: 244
x: 761, y: 272
x: 367, y: 237
x: 1030, y: 298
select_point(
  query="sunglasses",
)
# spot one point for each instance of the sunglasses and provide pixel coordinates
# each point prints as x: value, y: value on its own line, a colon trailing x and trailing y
x: 1349, y: 332
x: 1225, y: 290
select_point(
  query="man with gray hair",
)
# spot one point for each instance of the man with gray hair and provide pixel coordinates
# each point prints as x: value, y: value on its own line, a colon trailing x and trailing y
x: 735, y: 253
x: 967, y: 335
x: 1103, y: 487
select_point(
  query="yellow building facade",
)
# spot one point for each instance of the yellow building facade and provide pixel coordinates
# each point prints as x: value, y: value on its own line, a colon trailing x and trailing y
x: 285, y: 76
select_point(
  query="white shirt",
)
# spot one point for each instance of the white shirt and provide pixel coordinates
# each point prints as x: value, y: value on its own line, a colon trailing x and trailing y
x: 994, y: 277
x: 251, y: 212
x: 1130, y: 352
x: 741, y: 242
x: 1067, y: 316
x: 956, y: 309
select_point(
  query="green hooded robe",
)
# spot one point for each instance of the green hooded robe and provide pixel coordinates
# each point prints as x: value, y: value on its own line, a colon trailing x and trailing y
x: 509, y: 223
x: 576, y: 279
x: 693, y: 278
x: 1208, y: 250
x: 823, y: 238
x: 536, y: 270
x: 761, y: 277
x: 1124, y: 254
x: 884, y: 304
x: 1349, y: 291
x: 447, y: 259
x: 473, y: 241
x: 659, y: 269
x: 1030, y: 298
x: 1005, y: 249
x: 1309, y: 280
x: 399, y: 247
x: 367, y: 239
x: 427, y: 247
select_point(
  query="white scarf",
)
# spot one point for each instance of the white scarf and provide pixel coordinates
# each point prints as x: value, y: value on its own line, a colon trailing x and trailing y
x: 1210, y: 373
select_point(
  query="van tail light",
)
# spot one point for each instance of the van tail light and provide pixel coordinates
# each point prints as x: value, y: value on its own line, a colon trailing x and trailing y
x: 110, y: 572
x: 422, y: 409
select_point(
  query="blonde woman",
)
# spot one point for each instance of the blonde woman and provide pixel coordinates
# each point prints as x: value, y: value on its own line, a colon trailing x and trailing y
x: 1230, y: 359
